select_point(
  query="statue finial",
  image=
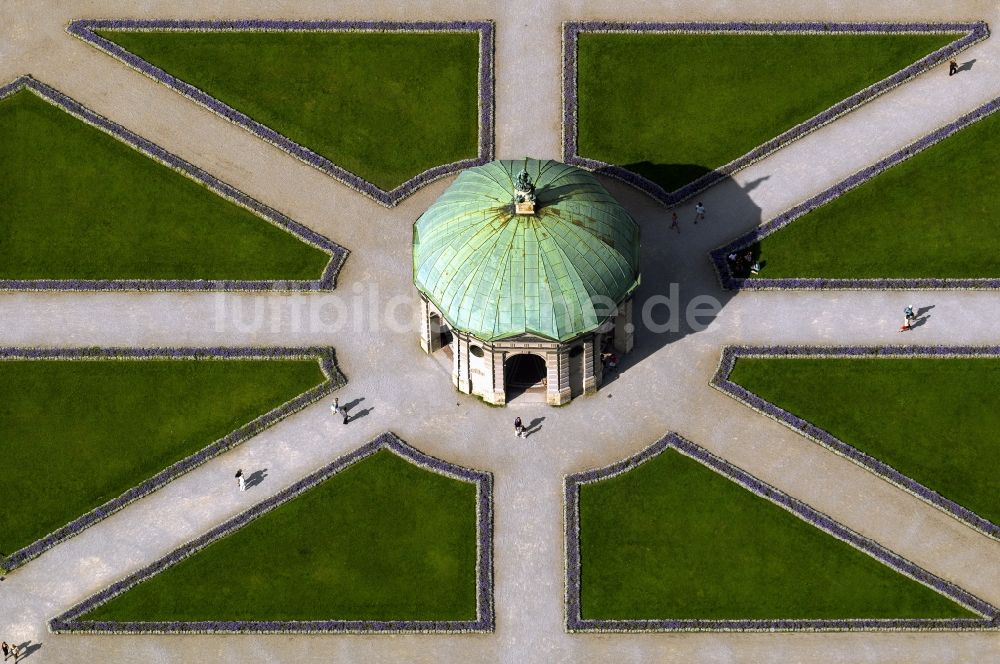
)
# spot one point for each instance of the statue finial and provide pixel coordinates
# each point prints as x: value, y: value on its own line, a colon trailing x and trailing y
x: 524, y: 190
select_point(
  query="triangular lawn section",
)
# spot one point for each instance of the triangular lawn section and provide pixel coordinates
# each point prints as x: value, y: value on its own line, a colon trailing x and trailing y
x: 673, y: 539
x: 384, y: 106
x: 934, y: 215
x: 77, y: 433
x: 381, y: 540
x: 662, y: 105
x: 80, y: 204
x: 935, y: 420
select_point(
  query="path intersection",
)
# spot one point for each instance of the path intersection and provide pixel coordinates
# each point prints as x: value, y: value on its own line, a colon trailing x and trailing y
x: 664, y: 389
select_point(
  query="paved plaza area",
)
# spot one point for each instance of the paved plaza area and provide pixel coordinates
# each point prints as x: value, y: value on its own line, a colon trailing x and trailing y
x: 370, y: 320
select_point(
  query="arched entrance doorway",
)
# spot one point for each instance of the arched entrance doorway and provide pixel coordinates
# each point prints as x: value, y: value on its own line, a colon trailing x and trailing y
x: 525, y: 375
x: 440, y: 333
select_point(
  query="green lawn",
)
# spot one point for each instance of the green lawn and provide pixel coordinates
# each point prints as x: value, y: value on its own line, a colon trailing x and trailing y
x: 385, y: 106
x: 381, y: 540
x: 934, y: 420
x: 934, y: 215
x: 670, y: 106
x: 674, y: 539
x: 74, y: 434
x: 79, y: 204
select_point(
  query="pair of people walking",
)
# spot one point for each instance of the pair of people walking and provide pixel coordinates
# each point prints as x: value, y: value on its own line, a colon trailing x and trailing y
x: 339, y: 410
x: 9, y: 650
x: 699, y: 215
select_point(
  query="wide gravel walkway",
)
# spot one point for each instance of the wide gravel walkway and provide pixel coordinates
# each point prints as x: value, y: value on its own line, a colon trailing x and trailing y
x: 369, y: 319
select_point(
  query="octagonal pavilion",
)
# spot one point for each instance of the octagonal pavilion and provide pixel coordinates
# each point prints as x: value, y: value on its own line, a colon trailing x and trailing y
x: 526, y: 271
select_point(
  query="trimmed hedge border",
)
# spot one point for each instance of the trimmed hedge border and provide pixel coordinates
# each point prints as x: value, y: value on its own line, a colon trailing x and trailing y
x: 975, y: 32
x: 326, y: 282
x: 85, y: 30
x: 729, y: 282
x: 69, y: 622
x: 574, y: 622
x: 722, y: 383
x: 328, y: 363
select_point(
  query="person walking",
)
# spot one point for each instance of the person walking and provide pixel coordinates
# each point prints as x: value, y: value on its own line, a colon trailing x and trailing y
x: 910, y: 315
x: 952, y: 68
x: 5, y: 649
x: 519, y: 428
x: 699, y: 212
x: 15, y: 651
x: 338, y: 409
x: 240, y: 480
x: 673, y: 223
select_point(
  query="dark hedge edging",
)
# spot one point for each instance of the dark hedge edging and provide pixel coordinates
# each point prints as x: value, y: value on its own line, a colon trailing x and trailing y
x: 722, y: 383
x: 744, y: 242
x: 69, y: 621
x: 326, y: 282
x: 324, y: 355
x: 975, y: 32
x: 85, y: 30
x: 574, y: 622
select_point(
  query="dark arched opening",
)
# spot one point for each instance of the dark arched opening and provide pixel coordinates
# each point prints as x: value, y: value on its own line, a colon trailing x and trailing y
x: 524, y: 373
x: 440, y: 333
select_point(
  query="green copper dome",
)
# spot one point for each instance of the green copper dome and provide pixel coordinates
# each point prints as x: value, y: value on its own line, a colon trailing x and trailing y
x: 555, y: 274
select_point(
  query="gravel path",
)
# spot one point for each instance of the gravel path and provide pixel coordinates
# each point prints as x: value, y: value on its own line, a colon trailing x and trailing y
x: 662, y: 387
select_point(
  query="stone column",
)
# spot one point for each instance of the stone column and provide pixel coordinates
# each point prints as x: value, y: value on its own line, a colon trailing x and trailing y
x: 591, y: 365
x: 499, y: 385
x: 456, y: 360
x: 624, y: 330
x: 463, y: 379
x: 425, y: 327
x: 557, y: 366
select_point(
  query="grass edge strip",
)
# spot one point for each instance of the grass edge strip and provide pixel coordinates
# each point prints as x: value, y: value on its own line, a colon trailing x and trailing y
x: 328, y: 364
x: 975, y: 32
x: 721, y: 382
x: 729, y: 282
x: 68, y: 622
x: 327, y: 281
x: 575, y: 623
x: 85, y: 30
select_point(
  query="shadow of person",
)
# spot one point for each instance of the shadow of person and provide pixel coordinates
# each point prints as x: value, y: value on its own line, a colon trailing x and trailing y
x: 27, y: 648
x: 966, y: 66
x: 923, y: 310
x: 361, y: 413
x: 920, y: 320
x: 352, y: 404
x: 255, y: 478
x: 534, y: 426
x: 680, y: 292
